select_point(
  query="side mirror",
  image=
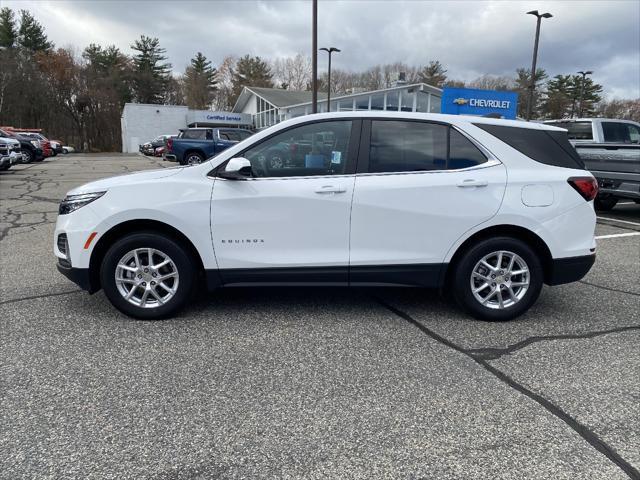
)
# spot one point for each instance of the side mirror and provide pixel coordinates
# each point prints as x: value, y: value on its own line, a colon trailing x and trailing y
x: 236, y: 169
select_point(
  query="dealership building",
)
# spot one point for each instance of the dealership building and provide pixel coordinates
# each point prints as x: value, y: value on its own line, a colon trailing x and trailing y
x: 258, y: 108
x: 268, y: 106
x: 143, y: 122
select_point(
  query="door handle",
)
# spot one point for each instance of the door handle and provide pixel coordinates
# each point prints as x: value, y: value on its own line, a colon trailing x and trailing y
x: 470, y: 182
x: 331, y: 189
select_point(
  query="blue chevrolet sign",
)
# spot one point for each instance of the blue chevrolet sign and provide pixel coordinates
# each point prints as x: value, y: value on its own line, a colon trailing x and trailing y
x: 472, y: 101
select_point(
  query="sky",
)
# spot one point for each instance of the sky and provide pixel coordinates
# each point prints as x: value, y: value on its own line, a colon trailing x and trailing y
x: 471, y: 38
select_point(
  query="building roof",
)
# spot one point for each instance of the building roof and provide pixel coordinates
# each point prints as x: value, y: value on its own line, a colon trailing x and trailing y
x: 422, y: 87
x: 275, y: 96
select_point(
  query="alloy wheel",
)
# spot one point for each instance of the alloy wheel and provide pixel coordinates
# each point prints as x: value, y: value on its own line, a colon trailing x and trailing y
x: 146, y: 277
x: 500, y: 279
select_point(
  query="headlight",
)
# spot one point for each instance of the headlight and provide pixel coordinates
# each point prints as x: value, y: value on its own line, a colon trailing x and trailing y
x: 35, y: 143
x: 71, y: 203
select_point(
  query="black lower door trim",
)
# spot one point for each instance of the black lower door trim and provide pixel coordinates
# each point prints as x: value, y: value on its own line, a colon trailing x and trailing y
x: 285, y: 276
x: 426, y: 275
x: 429, y: 275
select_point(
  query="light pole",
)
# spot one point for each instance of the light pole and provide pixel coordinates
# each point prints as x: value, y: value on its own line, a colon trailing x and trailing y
x: 532, y: 85
x: 314, y: 56
x: 329, y: 50
x: 584, y: 79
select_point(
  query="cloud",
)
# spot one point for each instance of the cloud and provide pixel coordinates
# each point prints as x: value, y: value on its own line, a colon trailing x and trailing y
x: 471, y: 38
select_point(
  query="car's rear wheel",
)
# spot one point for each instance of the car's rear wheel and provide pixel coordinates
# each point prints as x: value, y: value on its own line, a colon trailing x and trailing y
x: 193, y: 158
x: 498, y: 279
x: 148, y: 275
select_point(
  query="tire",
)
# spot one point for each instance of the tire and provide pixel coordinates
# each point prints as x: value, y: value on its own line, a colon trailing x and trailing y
x: 605, y: 203
x: 525, y: 295
x: 162, y: 247
x: 27, y: 156
x: 193, y: 158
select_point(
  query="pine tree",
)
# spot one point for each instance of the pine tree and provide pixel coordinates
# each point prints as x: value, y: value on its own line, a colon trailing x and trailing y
x: 433, y: 74
x: 251, y: 72
x: 31, y: 34
x: 200, y: 83
x: 522, y: 84
x: 8, y: 29
x: 562, y: 98
x: 151, y: 73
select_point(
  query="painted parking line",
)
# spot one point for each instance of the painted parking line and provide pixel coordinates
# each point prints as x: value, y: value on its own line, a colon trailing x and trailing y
x: 618, y: 235
x: 621, y: 221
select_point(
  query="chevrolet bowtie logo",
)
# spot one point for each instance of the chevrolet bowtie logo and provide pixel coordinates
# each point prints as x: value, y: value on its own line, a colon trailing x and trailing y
x: 461, y: 101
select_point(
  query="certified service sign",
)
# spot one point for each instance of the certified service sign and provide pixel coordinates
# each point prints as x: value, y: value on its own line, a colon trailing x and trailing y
x: 471, y: 101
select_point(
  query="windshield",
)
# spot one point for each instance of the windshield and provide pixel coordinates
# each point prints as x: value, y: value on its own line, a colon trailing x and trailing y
x: 576, y: 130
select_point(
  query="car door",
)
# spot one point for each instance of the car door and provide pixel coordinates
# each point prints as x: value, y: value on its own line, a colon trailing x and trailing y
x: 420, y: 186
x: 289, y: 222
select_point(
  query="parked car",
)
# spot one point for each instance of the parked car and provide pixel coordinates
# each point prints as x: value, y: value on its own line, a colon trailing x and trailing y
x: 68, y: 149
x: 43, y: 142
x: 610, y: 149
x: 194, y: 145
x: 486, y: 209
x: 149, y: 148
x: 30, y: 148
x: 10, y: 152
x: 56, y: 146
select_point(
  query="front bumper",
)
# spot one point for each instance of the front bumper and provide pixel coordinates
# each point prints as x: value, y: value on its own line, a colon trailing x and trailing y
x: 79, y: 276
x: 570, y: 269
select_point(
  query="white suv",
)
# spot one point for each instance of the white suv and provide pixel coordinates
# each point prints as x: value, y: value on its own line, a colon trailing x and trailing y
x: 487, y: 209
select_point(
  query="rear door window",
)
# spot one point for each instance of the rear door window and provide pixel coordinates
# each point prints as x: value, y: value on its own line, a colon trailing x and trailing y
x: 400, y: 146
x: 619, y: 132
x: 545, y: 146
x: 409, y: 146
x: 194, y: 134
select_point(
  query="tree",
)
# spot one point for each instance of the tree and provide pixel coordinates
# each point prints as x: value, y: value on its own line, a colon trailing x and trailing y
x: 562, y: 98
x: 199, y: 83
x: 150, y: 72
x: 292, y: 73
x: 433, y: 74
x: 8, y: 29
x: 31, y: 34
x: 251, y: 72
x: 521, y: 87
x: 492, y: 82
x: 622, y: 109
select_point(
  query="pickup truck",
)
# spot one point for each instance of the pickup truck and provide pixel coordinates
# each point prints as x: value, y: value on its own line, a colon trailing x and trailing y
x: 610, y: 149
x: 194, y: 145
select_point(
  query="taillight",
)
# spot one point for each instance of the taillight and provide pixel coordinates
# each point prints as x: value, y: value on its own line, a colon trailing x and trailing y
x: 587, y: 187
x: 169, y: 144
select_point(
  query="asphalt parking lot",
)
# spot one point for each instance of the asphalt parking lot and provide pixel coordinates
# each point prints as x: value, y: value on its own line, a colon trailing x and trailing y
x: 308, y: 383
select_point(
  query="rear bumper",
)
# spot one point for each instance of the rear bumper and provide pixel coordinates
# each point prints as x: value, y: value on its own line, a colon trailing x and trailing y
x: 571, y: 269
x: 79, y: 276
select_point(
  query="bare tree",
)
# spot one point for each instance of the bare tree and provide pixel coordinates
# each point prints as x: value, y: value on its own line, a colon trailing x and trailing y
x: 292, y: 73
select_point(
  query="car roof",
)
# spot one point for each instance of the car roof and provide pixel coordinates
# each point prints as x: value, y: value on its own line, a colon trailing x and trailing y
x: 433, y: 117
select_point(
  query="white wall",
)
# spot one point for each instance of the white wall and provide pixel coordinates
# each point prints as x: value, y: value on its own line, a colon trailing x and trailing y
x: 142, y: 123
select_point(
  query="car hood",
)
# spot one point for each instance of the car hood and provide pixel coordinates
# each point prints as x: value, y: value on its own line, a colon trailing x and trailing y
x: 128, y: 179
x: 9, y: 141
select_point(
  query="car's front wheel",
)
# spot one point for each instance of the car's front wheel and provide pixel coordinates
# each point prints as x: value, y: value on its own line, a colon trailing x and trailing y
x: 148, y: 275
x: 498, y: 279
x: 27, y: 156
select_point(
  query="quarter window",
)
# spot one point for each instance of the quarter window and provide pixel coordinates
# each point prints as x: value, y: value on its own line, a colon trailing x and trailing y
x: 314, y: 149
